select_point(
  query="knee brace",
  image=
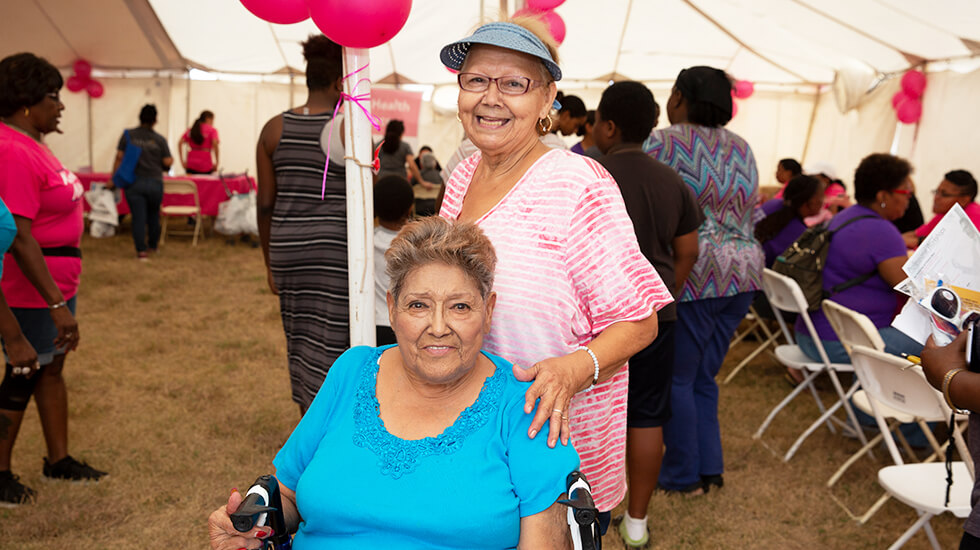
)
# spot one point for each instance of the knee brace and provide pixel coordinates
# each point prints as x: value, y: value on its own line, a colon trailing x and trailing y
x: 16, y: 391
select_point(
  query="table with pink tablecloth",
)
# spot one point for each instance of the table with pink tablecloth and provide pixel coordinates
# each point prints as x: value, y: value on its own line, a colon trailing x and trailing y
x: 210, y: 190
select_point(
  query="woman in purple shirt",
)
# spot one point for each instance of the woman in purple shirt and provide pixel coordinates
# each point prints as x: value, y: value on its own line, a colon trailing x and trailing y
x: 783, y: 224
x: 872, y: 244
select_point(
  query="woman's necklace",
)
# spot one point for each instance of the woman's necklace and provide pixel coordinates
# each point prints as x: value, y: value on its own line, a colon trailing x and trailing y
x: 17, y: 128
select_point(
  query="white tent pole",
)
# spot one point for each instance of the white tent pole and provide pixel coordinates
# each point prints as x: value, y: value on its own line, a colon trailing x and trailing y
x: 360, y: 200
x: 809, y: 128
x: 91, y: 138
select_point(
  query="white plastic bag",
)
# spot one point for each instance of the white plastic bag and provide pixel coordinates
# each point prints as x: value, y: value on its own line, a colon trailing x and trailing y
x: 237, y: 215
x: 104, y: 217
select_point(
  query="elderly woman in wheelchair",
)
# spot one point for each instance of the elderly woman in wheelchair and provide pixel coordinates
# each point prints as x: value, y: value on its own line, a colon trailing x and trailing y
x: 422, y: 444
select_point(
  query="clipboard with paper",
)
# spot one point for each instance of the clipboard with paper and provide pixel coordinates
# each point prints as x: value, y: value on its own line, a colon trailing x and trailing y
x: 947, y: 263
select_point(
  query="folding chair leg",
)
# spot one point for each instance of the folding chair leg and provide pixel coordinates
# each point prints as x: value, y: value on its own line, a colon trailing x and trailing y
x: 748, y: 358
x: 806, y: 383
x: 197, y: 229
x: 871, y: 511
x: 923, y: 520
x: 816, y: 424
x: 846, y: 403
x: 854, y: 458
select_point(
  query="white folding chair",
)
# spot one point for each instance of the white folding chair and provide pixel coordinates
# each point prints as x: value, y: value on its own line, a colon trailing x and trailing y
x: 766, y: 338
x: 181, y: 187
x: 894, y: 382
x: 854, y: 329
x: 785, y: 295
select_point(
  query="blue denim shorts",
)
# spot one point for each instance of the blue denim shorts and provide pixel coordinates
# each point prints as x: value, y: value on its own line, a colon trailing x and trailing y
x: 39, y: 329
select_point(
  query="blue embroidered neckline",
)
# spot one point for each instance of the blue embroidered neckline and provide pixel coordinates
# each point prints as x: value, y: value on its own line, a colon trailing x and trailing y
x: 398, y: 457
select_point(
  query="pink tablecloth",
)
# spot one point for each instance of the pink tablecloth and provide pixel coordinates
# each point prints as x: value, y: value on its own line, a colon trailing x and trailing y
x: 210, y: 191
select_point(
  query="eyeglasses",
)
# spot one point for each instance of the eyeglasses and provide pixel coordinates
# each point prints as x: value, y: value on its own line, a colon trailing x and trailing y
x: 55, y: 96
x: 945, y: 195
x: 902, y: 191
x: 509, y: 85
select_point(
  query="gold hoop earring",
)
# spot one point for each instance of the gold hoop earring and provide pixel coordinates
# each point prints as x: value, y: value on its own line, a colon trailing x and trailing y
x: 27, y: 112
x: 541, y: 124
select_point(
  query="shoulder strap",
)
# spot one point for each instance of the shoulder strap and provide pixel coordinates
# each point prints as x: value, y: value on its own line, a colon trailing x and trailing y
x: 849, y: 222
x: 856, y: 280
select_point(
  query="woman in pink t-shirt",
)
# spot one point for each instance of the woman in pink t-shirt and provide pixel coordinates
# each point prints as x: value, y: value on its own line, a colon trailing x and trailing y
x: 575, y: 296
x: 40, y: 275
x: 202, y: 139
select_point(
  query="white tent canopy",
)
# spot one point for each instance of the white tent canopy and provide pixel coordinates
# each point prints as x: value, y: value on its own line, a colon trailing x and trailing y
x: 142, y: 51
x: 766, y: 41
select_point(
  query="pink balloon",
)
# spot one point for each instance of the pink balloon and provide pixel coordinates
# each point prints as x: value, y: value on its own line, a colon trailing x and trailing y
x: 743, y: 89
x: 909, y: 111
x: 556, y: 25
x: 554, y: 22
x: 914, y: 83
x: 734, y: 109
x: 899, y: 97
x: 283, y: 12
x: 75, y: 83
x: 360, y: 23
x: 543, y: 5
x: 95, y: 89
x: 83, y: 69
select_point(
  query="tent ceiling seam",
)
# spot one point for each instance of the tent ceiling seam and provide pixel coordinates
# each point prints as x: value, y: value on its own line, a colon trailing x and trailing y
x: 57, y: 28
x: 152, y: 37
x: 622, y: 36
x: 911, y: 58
x: 738, y: 40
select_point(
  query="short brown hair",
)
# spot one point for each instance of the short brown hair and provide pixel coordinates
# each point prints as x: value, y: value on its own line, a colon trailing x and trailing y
x: 879, y: 172
x: 435, y: 239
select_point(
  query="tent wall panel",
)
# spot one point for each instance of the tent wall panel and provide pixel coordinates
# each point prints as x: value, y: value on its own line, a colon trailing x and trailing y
x: 950, y: 115
x: 843, y: 140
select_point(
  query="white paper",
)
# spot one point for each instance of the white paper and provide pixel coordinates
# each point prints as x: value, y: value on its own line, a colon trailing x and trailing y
x: 949, y: 256
x: 951, y: 253
x: 914, y: 322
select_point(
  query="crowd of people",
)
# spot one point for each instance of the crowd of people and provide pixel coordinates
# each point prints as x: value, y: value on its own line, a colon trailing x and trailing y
x: 563, y: 310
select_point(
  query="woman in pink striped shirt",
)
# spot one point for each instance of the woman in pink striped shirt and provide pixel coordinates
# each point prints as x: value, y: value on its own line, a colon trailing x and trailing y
x: 576, y: 297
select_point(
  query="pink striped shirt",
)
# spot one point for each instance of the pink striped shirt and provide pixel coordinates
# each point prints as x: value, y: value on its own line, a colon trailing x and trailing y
x: 568, y: 266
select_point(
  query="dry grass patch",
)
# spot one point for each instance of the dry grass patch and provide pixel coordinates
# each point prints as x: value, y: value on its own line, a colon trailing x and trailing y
x: 180, y: 390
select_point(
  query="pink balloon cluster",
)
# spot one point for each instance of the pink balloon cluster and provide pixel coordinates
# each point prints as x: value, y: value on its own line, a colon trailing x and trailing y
x: 741, y: 89
x: 355, y: 24
x: 908, y: 101
x: 82, y: 80
x: 544, y: 10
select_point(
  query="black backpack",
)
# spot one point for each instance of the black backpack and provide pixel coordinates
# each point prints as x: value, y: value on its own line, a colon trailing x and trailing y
x: 805, y: 259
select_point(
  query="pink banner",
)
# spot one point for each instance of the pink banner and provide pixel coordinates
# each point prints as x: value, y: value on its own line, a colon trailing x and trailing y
x: 391, y: 104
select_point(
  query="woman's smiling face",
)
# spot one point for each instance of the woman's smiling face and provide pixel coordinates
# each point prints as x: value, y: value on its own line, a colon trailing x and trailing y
x: 439, y: 319
x: 499, y: 123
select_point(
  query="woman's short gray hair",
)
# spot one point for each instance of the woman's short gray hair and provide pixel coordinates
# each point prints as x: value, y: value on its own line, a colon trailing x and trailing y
x: 434, y: 239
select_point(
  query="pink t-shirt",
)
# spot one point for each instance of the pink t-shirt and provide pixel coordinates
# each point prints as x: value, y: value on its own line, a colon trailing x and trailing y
x: 199, y: 157
x: 568, y: 267
x: 972, y: 211
x: 36, y: 186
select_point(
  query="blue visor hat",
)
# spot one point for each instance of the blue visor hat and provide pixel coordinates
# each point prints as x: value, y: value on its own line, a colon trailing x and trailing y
x: 503, y: 35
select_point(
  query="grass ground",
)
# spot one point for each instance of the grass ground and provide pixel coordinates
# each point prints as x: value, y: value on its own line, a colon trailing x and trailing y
x: 180, y: 390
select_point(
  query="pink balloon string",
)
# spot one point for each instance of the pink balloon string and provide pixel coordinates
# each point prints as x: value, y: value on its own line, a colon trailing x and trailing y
x: 358, y: 100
